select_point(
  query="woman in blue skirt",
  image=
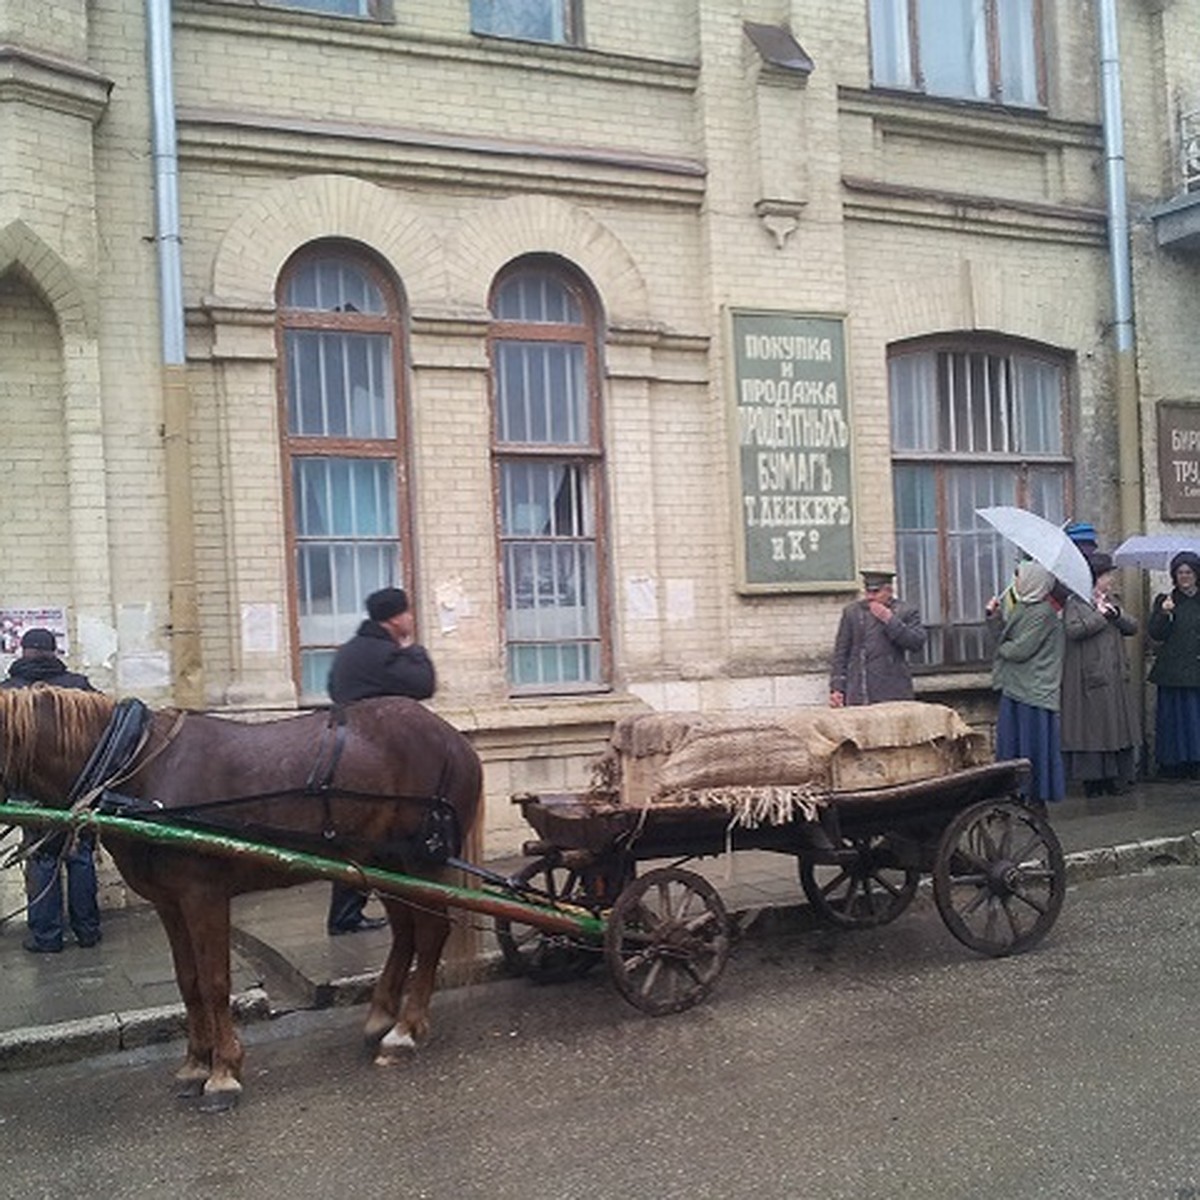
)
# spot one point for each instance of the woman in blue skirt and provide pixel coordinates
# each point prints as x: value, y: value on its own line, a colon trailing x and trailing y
x: 1027, y: 672
x: 1175, y: 625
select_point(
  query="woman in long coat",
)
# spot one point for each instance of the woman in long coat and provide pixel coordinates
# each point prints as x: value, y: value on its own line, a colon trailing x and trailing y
x: 1027, y: 672
x: 1100, y: 728
x: 1175, y: 625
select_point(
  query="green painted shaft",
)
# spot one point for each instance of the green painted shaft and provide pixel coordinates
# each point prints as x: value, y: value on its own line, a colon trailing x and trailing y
x: 310, y: 866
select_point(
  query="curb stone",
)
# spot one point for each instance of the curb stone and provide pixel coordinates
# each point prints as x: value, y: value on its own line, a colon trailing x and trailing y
x: 69, y: 1041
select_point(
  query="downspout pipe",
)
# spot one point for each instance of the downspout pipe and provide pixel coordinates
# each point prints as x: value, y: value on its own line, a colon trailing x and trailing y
x: 1129, y: 448
x: 184, y: 620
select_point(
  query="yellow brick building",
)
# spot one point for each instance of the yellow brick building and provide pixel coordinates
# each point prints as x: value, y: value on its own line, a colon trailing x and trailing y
x: 478, y: 295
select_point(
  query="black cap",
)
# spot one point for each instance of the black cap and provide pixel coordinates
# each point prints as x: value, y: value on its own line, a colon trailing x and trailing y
x: 38, y: 639
x: 387, y: 603
x: 877, y: 579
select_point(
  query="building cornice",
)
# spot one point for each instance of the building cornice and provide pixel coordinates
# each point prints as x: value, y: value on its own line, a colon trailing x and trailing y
x: 31, y: 77
x: 389, y: 154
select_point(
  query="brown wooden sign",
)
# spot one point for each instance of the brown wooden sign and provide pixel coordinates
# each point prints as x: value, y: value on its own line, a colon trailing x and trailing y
x: 1179, y: 460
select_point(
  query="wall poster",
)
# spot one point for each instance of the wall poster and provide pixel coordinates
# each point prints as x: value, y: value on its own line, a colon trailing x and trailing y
x: 791, y: 420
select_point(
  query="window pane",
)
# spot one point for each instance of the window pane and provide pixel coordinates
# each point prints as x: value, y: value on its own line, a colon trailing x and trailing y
x: 536, y: 20
x: 541, y: 392
x: 1039, y: 407
x: 891, y: 53
x: 912, y: 381
x: 339, y: 384
x: 333, y: 285
x: 343, y: 8
x: 953, y: 40
x: 344, y: 497
x: 538, y: 297
x: 1018, y: 52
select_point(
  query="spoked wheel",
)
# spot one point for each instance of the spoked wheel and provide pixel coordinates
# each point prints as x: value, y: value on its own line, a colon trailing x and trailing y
x: 999, y: 877
x: 667, y: 940
x: 538, y: 955
x: 871, y: 888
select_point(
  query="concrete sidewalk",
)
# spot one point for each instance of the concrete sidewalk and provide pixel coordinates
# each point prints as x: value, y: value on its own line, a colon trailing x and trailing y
x: 121, y: 994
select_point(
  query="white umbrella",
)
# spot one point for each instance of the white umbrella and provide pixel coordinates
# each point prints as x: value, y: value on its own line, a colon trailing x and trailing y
x: 1154, y: 551
x: 1044, y: 541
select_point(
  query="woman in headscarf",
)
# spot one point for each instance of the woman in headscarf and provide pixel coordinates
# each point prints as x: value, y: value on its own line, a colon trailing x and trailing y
x: 1100, y: 728
x: 1175, y: 625
x: 1027, y: 672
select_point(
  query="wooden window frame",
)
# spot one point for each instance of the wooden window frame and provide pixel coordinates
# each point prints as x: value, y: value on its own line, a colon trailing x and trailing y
x: 590, y: 454
x: 942, y: 460
x: 395, y: 449
x: 995, y: 72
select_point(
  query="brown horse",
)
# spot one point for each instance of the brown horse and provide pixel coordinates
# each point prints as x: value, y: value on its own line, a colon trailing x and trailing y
x: 363, y: 788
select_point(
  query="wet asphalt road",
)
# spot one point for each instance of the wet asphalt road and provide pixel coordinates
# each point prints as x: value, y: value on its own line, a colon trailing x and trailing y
x: 889, y: 1063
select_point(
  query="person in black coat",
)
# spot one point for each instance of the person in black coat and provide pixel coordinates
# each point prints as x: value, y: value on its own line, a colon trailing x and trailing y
x: 39, y: 663
x: 381, y: 659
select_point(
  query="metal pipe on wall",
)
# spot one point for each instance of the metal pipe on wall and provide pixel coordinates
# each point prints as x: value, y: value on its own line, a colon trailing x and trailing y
x: 184, y: 622
x: 1129, y: 441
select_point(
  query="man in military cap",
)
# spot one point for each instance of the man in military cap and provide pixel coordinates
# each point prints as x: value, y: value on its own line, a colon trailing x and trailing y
x: 876, y: 633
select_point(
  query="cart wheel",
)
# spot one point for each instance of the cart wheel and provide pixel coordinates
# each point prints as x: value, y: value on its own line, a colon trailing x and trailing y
x: 667, y: 940
x: 547, y: 957
x: 999, y: 877
x: 871, y: 889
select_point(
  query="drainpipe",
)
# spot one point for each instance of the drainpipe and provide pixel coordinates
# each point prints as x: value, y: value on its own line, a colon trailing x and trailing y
x: 1129, y: 454
x: 184, y: 622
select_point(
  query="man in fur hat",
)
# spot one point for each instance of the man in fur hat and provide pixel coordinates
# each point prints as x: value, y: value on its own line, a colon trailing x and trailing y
x: 381, y: 659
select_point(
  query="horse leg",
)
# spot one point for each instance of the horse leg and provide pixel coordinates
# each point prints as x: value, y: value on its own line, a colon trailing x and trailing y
x: 197, y: 1063
x: 385, y: 999
x: 430, y: 930
x: 205, y: 911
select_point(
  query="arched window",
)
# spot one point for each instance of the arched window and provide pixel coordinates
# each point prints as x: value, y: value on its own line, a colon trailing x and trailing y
x: 549, y: 464
x: 975, y: 422
x: 343, y: 446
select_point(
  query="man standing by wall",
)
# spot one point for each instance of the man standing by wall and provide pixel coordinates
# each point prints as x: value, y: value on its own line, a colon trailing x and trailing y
x: 39, y: 663
x: 381, y: 659
x: 869, y: 654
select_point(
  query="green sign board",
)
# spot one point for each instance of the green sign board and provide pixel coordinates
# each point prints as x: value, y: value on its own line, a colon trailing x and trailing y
x: 791, y: 420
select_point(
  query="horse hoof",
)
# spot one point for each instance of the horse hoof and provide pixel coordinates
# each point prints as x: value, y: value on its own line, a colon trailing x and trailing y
x: 218, y: 1102
x: 189, y: 1089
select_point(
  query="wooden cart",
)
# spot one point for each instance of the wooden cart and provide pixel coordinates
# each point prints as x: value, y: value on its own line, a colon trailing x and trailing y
x: 997, y: 868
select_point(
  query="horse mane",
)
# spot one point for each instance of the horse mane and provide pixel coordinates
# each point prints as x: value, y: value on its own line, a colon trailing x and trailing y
x: 73, y: 719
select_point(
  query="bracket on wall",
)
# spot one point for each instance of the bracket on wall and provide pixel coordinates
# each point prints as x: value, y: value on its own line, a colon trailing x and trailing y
x: 780, y: 218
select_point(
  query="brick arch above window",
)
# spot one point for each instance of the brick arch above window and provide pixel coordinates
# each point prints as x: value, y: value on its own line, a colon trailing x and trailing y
x: 294, y: 214
x: 499, y: 232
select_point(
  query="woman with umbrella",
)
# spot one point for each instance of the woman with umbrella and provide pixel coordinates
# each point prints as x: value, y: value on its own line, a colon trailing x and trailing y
x: 1100, y: 728
x: 1175, y: 624
x: 1027, y: 672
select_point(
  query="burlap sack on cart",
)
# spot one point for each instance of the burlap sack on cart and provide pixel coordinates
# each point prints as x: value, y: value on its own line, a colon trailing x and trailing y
x: 767, y: 765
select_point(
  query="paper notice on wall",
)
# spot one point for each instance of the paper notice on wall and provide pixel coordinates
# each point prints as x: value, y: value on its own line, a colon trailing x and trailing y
x: 452, y: 604
x: 641, y: 598
x: 15, y: 621
x: 260, y: 628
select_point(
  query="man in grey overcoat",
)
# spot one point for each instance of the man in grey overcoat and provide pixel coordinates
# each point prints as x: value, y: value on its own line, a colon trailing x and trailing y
x: 876, y: 634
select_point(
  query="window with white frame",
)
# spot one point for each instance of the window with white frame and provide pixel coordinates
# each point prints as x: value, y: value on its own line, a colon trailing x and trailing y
x: 548, y: 462
x: 343, y: 446
x: 988, y: 50
x: 558, y: 21
x: 974, y: 424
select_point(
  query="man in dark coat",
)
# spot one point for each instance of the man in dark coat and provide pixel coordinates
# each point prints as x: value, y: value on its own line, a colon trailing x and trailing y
x: 869, y: 654
x: 39, y: 663
x: 381, y: 659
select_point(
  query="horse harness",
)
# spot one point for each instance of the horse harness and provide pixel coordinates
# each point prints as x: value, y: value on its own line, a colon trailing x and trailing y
x: 437, y: 841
